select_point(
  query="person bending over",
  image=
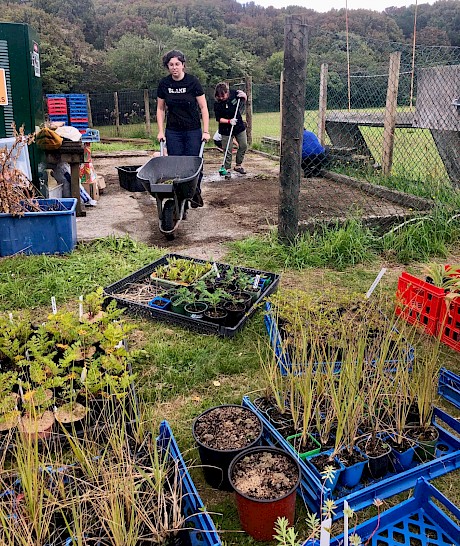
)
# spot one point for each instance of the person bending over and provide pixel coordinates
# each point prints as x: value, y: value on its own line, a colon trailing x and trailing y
x: 228, y: 117
x: 314, y: 155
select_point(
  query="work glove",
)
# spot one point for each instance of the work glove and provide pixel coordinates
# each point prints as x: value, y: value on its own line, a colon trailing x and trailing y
x: 241, y: 94
x: 233, y: 121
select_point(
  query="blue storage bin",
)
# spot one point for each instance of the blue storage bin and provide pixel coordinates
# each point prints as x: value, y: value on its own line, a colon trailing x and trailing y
x: 449, y: 386
x: 46, y: 232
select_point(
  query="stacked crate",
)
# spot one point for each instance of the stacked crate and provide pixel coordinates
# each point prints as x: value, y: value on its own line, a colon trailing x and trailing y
x: 78, y: 110
x: 57, y: 108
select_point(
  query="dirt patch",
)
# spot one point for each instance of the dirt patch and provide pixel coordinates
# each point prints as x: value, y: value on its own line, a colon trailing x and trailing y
x: 233, y: 209
x: 265, y: 475
x: 227, y: 428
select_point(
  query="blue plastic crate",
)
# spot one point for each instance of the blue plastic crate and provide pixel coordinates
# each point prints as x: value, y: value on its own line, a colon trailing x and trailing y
x: 91, y: 135
x: 56, y: 117
x: 56, y: 96
x: 418, y: 520
x: 283, y: 358
x: 447, y: 459
x: 46, y: 232
x: 202, y: 530
x: 449, y: 386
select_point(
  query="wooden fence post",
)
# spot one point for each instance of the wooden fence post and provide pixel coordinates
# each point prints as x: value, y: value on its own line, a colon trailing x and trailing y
x: 322, y: 103
x: 390, y: 113
x: 117, y: 113
x: 148, y: 127
x: 88, y: 107
x: 293, y: 108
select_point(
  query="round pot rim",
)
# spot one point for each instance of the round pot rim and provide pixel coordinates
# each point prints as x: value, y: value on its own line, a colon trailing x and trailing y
x: 201, y: 305
x: 237, y: 449
x: 271, y: 450
x: 363, y: 449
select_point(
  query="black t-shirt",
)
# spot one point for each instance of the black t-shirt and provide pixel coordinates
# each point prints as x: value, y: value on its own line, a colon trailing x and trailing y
x: 183, y: 113
x: 226, y: 109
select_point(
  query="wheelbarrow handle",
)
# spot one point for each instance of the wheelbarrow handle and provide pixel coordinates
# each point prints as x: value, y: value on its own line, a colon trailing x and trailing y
x: 162, y: 147
x: 203, y: 142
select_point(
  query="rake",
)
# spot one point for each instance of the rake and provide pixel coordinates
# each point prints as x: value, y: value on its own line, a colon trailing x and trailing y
x: 223, y: 171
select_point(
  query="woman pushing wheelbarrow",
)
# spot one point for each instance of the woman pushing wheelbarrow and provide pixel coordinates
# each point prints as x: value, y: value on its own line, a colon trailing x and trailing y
x: 180, y: 100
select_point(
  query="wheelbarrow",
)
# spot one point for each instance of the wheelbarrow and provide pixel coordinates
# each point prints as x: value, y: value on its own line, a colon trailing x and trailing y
x: 172, y: 180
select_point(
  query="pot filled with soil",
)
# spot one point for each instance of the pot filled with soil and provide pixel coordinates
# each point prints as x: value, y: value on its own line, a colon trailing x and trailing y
x: 402, y: 453
x: 221, y: 433
x: 265, y: 480
x: 378, y: 456
x: 327, y: 468
x: 218, y: 315
x: 354, y: 462
x: 72, y: 416
x: 426, y: 439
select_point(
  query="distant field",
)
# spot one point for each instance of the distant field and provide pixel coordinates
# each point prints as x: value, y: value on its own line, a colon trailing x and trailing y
x: 415, y: 155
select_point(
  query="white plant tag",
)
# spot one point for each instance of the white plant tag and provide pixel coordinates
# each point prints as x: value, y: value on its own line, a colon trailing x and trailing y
x: 214, y: 266
x: 53, y: 304
x: 27, y: 354
x: 10, y: 315
x: 83, y: 375
x: 21, y: 392
x: 80, y: 307
x: 325, y: 536
x: 376, y: 282
x: 345, y: 523
x: 256, y: 281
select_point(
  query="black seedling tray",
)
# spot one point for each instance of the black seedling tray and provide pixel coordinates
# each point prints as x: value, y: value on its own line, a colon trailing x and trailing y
x: 197, y: 325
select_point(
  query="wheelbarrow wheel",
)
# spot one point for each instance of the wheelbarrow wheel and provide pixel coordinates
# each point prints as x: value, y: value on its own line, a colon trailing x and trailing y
x: 168, y: 222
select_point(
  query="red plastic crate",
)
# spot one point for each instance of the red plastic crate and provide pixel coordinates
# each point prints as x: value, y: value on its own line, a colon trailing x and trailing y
x: 419, y: 302
x: 449, y: 323
x: 57, y: 111
x: 78, y: 120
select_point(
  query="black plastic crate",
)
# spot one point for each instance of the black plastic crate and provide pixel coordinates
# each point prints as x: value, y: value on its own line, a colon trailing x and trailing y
x: 127, y: 177
x: 197, y: 325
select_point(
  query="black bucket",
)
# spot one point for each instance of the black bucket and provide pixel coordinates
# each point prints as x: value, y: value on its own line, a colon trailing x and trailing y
x: 128, y: 178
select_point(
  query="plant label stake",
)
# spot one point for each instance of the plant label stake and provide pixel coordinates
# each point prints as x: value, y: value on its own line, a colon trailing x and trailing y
x: 376, y: 282
x: 11, y: 317
x: 21, y: 392
x: 80, y: 307
x: 325, y: 536
x: 345, y: 523
x: 256, y: 281
x: 53, y: 305
x: 214, y: 266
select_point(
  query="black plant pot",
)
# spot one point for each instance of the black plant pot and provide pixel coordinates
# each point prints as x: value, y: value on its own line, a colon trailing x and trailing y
x: 377, y: 467
x: 215, y: 461
x: 235, y: 312
x: 217, y: 315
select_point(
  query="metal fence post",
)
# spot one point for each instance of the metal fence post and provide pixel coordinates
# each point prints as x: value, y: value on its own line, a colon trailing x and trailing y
x: 293, y: 107
x: 322, y: 103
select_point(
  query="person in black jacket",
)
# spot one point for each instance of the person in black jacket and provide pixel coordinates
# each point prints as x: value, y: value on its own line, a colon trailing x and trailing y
x: 180, y: 101
x: 228, y: 117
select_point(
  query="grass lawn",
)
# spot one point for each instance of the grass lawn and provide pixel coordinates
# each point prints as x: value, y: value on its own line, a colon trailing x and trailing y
x: 182, y: 373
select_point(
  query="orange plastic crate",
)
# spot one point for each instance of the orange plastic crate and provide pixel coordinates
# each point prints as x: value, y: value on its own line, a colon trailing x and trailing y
x: 419, y: 302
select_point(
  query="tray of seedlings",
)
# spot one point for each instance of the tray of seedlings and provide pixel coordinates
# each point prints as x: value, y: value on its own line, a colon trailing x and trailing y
x: 207, y: 297
x: 371, y: 427
x: 300, y: 325
x: 130, y: 489
x: 67, y: 376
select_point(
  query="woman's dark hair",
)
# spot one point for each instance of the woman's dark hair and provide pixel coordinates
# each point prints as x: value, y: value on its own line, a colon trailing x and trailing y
x: 171, y: 54
x: 221, y: 89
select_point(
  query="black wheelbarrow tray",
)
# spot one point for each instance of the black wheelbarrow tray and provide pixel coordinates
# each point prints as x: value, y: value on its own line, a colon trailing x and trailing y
x: 172, y: 180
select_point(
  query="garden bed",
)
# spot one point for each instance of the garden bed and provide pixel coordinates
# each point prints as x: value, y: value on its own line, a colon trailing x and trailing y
x: 136, y: 292
x: 313, y: 490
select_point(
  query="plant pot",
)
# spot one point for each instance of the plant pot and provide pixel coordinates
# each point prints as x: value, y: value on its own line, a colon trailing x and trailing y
x: 195, y: 310
x: 426, y: 440
x: 377, y: 464
x: 235, y: 312
x: 352, y: 473
x: 295, y: 441
x: 252, y: 474
x: 332, y: 481
x: 38, y: 427
x: 211, y: 428
x: 160, y: 303
x: 243, y: 296
x: 217, y: 315
x: 177, y: 308
x: 72, y: 417
x: 401, y: 458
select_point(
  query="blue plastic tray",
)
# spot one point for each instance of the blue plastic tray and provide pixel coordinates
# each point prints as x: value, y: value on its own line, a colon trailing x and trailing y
x: 46, y: 232
x: 447, y: 459
x: 417, y: 520
x: 283, y: 358
x: 203, y: 531
x: 449, y: 386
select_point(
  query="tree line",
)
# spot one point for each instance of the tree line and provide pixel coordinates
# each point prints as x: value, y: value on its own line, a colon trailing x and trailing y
x: 107, y: 45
